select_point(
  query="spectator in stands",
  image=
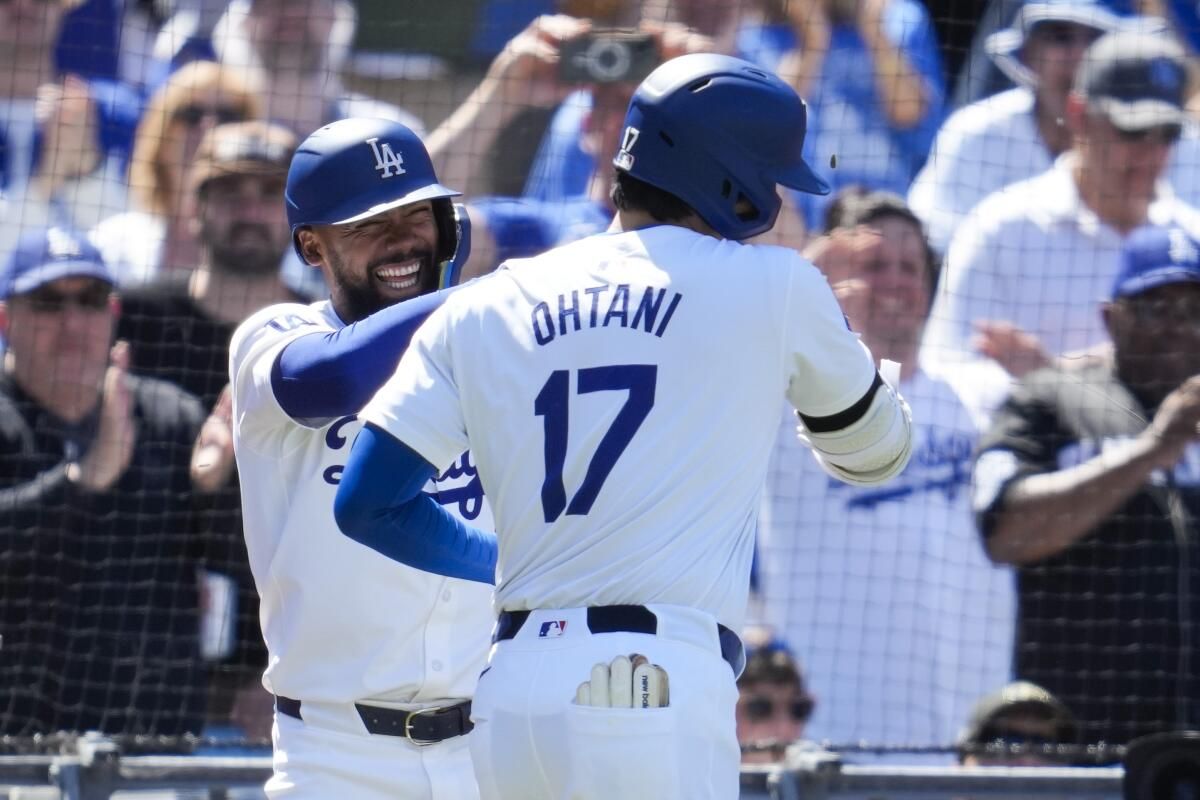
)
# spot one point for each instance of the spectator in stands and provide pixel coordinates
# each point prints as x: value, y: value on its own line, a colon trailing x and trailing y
x: 1089, y: 483
x: 179, y: 329
x: 1016, y: 134
x: 153, y: 238
x: 886, y: 596
x: 773, y: 704
x: 64, y: 141
x: 871, y: 73
x: 292, y: 52
x: 1019, y: 725
x: 524, y: 74
x: 98, y: 598
x: 1025, y: 260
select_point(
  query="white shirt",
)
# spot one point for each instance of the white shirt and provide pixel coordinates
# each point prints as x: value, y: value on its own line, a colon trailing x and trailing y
x: 989, y: 144
x: 900, y: 621
x: 341, y: 622
x: 1034, y: 255
x: 560, y: 358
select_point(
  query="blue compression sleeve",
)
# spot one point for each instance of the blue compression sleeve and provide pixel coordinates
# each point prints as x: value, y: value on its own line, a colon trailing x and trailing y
x: 380, y: 504
x: 329, y: 375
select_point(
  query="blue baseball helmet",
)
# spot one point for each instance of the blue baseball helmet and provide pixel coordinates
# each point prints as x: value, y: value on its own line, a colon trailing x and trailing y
x: 719, y: 133
x: 355, y: 168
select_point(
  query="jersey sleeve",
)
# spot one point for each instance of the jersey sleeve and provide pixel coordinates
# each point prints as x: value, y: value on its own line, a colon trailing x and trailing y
x: 828, y: 367
x: 420, y: 403
x: 253, y: 350
x: 1023, y: 440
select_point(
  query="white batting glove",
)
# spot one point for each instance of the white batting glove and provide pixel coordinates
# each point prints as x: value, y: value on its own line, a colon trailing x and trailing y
x: 628, y: 682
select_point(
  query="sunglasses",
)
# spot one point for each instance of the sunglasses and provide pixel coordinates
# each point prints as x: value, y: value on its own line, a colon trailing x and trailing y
x: 193, y: 115
x: 51, y: 301
x: 761, y: 707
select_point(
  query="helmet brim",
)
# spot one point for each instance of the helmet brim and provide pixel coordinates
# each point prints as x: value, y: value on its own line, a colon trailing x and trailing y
x: 350, y: 213
x: 801, y: 177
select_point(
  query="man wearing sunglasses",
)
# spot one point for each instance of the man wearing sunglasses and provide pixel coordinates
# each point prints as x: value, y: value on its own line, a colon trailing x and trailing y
x: 1039, y: 52
x: 772, y: 705
x: 99, y: 600
x: 1023, y: 266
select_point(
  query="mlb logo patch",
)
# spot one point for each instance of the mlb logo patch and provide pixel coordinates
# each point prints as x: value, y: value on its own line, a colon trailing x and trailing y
x: 552, y: 628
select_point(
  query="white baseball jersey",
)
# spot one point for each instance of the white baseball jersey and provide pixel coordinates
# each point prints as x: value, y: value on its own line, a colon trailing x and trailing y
x: 620, y: 396
x: 342, y: 623
x: 885, y: 592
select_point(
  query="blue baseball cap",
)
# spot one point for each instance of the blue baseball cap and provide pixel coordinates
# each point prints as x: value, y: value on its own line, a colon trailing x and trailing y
x: 46, y: 255
x: 1137, y: 77
x: 1156, y: 256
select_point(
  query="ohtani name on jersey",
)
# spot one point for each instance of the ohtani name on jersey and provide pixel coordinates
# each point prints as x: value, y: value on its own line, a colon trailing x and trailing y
x: 647, y: 309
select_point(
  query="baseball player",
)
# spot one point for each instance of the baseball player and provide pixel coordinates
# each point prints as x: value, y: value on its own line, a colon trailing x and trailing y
x: 618, y: 394
x: 372, y: 663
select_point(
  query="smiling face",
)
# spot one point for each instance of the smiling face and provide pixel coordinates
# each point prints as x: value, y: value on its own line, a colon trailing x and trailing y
x: 378, y: 261
x: 898, y: 273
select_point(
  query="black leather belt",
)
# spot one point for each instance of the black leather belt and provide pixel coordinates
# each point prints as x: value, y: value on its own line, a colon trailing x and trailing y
x: 420, y: 726
x: 625, y: 619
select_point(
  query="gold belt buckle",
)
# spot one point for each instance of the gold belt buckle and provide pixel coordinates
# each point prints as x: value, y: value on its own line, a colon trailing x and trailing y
x: 408, y: 721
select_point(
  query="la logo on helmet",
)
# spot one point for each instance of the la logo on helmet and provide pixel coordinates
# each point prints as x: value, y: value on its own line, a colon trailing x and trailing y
x: 386, y: 159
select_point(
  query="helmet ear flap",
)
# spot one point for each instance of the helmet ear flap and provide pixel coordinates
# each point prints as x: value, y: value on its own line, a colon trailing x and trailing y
x: 447, y: 229
x: 456, y: 218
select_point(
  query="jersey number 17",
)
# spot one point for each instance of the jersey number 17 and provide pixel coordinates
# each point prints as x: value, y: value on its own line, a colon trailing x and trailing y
x: 552, y: 404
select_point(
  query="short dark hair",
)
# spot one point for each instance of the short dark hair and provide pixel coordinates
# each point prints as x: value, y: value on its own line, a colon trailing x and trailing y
x: 771, y: 663
x: 854, y: 206
x: 630, y: 194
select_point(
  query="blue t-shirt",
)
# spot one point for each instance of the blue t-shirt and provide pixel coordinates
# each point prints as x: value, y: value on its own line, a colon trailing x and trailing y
x: 525, y: 227
x: 845, y: 115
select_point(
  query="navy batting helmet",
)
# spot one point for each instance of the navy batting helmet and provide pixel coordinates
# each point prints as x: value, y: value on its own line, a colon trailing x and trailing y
x: 719, y: 133
x: 356, y: 168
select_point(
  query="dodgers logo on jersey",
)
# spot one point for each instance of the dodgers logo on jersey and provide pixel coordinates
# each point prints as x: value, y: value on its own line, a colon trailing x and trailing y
x: 460, y: 485
x: 386, y: 159
x: 552, y: 628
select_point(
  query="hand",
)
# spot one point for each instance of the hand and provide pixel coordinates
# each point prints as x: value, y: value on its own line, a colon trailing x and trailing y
x: 212, y: 457
x: 1177, y: 423
x: 1018, y: 351
x: 628, y: 682
x: 112, y: 450
x: 526, y: 71
x: 67, y: 117
x: 844, y: 256
x: 675, y: 39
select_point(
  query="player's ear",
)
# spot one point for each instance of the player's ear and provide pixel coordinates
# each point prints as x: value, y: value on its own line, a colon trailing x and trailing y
x: 310, y: 246
x: 3, y: 318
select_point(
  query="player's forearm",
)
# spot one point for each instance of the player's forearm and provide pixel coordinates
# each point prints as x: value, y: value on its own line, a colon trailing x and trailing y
x: 459, y: 146
x: 328, y: 375
x: 1043, y: 515
x: 380, y: 504
x: 901, y: 88
x: 27, y: 504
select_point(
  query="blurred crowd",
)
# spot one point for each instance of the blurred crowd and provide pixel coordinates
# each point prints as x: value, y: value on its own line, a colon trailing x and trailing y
x: 1014, y: 220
